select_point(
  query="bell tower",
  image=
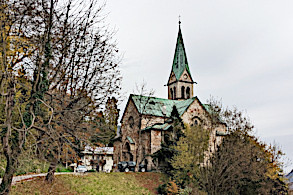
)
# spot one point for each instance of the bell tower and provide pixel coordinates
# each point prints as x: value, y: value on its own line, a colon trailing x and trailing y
x: 180, y: 83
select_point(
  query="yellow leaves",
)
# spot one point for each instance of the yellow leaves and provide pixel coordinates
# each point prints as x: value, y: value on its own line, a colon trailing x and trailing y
x: 18, y: 95
x: 172, y: 188
x: 17, y: 48
x: 14, y: 45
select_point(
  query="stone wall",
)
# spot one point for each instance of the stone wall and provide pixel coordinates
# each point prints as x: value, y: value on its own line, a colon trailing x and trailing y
x: 184, y: 81
x: 156, y: 140
x: 151, y: 140
x: 117, y: 151
x: 132, y: 130
x: 196, y: 112
x: 148, y: 121
x: 128, y: 128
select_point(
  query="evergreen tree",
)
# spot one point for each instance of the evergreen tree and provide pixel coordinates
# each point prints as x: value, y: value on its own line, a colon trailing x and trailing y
x: 170, y: 139
x: 104, y: 131
x: 112, y: 113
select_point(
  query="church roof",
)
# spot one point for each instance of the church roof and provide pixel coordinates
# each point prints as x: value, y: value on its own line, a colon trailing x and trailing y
x: 180, y: 62
x: 160, y: 127
x: 159, y: 106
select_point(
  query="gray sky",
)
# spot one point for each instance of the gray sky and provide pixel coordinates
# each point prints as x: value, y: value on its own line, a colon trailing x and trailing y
x: 238, y: 51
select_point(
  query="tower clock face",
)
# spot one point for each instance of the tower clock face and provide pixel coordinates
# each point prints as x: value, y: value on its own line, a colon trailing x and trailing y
x: 185, y: 76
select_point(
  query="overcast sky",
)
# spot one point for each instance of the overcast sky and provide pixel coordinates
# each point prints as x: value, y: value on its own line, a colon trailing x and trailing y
x: 238, y: 51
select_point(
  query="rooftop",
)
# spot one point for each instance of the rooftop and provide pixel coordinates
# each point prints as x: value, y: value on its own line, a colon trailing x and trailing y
x: 159, y: 106
x: 98, y: 150
x: 180, y: 62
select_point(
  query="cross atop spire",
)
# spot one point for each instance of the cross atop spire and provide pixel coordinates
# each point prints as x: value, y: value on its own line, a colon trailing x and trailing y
x: 179, y: 20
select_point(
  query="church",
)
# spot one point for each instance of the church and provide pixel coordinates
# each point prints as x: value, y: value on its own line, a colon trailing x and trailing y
x: 145, y: 119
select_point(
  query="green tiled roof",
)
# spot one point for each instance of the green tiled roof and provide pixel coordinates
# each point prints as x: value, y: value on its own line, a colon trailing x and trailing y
x: 130, y: 140
x: 210, y: 111
x: 180, y: 62
x: 164, y: 127
x: 207, y: 107
x: 159, y: 106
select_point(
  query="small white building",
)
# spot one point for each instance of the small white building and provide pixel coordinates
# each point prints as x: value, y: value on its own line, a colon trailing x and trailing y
x: 98, y: 158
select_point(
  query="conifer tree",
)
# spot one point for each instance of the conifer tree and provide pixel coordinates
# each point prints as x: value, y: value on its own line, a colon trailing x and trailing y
x: 112, y: 113
x: 170, y: 139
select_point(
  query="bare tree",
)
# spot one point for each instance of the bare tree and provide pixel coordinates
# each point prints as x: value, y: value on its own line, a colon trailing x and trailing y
x: 58, y: 66
x: 22, y: 43
x: 83, y: 76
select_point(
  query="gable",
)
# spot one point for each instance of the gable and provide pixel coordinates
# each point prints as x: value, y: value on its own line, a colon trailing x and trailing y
x: 172, y: 78
x: 194, y: 110
x: 186, y: 76
x: 130, y: 107
x: 200, y: 110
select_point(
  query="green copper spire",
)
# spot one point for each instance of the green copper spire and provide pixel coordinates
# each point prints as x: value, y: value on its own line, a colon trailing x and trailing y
x: 180, y: 59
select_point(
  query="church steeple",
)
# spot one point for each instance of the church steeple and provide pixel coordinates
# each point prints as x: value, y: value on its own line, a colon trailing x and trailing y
x: 180, y: 84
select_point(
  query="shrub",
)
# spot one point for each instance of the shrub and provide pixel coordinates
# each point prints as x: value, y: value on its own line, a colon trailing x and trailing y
x: 172, y: 188
x: 162, y: 189
x: 61, y: 168
x: 168, y: 188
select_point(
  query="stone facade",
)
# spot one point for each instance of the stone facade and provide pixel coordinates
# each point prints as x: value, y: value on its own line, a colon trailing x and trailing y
x: 142, y: 133
x: 145, y: 119
x: 180, y: 89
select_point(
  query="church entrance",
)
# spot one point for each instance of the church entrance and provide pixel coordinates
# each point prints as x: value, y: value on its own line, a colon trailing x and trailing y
x: 127, y: 155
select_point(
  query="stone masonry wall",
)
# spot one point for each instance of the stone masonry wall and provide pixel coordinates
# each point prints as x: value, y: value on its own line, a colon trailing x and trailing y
x: 156, y: 140
x: 196, y: 112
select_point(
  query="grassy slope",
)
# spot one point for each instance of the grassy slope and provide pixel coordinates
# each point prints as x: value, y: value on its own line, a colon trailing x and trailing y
x: 96, y: 183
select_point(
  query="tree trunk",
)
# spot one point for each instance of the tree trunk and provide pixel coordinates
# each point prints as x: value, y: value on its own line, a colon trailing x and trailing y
x: 11, y: 147
x: 5, y: 186
x: 50, y: 175
x: 6, y: 182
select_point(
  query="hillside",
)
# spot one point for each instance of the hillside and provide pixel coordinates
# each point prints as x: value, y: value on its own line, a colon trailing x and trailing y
x: 93, y: 183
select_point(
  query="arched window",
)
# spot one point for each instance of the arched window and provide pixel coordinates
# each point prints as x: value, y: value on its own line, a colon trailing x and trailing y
x: 171, y: 91
x: 131, y: 121
x: 196, y: 121
x: 187, y: 92
x: 174, y: 93
x: 127, y: 146
x: 182, y: 92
